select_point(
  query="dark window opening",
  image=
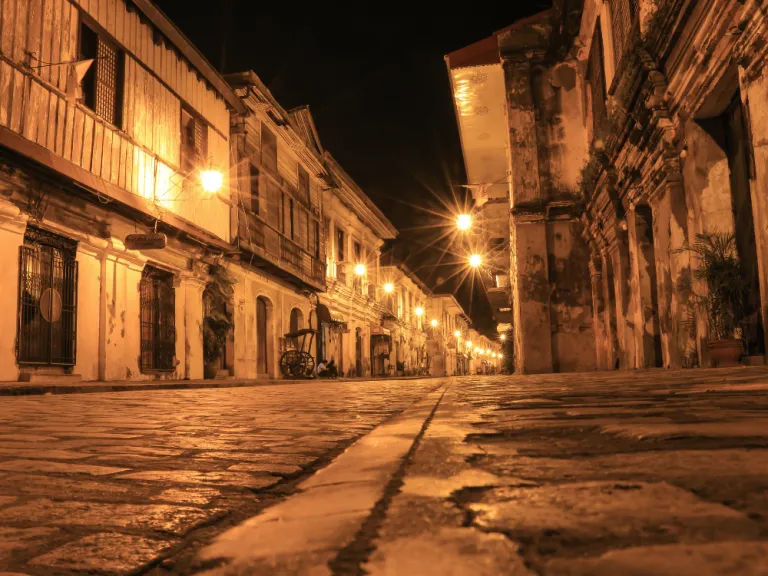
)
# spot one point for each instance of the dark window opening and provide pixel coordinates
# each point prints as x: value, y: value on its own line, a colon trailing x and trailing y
x: 47, y: 321
x: 102, y: 83
x: 158, y: 320
x: 358, y: 252
x: 268, y: 150
x: 253, y: 179
x: 303, y: 185
x: 340, y: 254
x: 194, y: 141
x: 316, y: 227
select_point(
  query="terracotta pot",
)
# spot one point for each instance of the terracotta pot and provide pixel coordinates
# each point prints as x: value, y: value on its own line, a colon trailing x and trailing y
x: 724, y: 353
x: 210, y: 370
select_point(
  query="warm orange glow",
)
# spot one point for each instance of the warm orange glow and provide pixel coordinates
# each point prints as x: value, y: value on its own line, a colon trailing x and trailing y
x: 433, y: 322
x: 457, y: 333
x: 360, y: 270
x: 211, y: 180
x: 469, y: 343
x: 464, y: 222
x: 419, y: 311
x: 389, y: 287
x: 503, y: 336
x: 475, y: 260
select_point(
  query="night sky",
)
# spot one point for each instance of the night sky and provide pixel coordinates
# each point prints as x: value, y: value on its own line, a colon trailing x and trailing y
x: 378, y: 89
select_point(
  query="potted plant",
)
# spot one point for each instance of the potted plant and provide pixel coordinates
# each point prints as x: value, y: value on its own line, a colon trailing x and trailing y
x: 217, y: 321
x: 726, y: 302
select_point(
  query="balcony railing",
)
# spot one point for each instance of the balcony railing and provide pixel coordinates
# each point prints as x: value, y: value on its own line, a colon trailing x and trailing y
x: 290, y: 252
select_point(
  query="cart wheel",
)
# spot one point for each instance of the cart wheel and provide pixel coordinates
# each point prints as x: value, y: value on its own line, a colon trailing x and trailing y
x: 307, y: 364
x: 288, y: 362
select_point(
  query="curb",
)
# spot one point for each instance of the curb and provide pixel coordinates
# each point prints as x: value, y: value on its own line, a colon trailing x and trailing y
x: 21, y: 389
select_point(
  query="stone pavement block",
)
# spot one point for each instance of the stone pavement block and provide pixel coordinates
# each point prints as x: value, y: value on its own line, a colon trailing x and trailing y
x: 105, y: 553
x: 188, y: 495
x: 26, y: 438
x: 44, y: 454
x: 583, y: 514
x: 15, y: 539
x: 237, y: 479
x: 266, y: 468
x: 143, y: 450
x: 64, y: 488
x: 158, y: 517
x: 448, y: 552
x: 58, y: 467
x: 753, y: 427
x: 6, y: 499
x: 711, y: 559
x: 290, y: 459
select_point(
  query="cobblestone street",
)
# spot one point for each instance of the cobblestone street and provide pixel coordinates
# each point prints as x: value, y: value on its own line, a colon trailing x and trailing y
x: 654, y: 472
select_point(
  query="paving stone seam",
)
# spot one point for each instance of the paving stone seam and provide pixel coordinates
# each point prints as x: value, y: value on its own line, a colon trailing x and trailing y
x: 279, y: 492
x: 349, y: 561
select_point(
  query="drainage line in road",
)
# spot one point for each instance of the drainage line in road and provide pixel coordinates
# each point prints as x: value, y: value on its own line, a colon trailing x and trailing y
x: 350, y: 559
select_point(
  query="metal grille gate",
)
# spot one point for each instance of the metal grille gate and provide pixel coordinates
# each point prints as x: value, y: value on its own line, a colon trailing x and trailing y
x: 158, y: 320
x: 47, y: 320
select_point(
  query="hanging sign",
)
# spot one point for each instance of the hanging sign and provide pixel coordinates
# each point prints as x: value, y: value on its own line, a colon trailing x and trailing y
x: 152, y: 241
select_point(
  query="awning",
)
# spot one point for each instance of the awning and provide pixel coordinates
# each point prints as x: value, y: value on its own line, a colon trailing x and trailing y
x: 377, y: 330
x: 324, y: 314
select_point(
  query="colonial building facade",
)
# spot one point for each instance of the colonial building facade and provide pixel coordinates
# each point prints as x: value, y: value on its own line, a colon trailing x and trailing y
x: 108, y: 119
x: 612, y: 132
x: 117, y: 135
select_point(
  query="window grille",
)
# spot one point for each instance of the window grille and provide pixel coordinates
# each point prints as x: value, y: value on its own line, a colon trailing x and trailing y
x: 622, y: 17
x: 47, y: 319
x: 194, y: 141
x: 158, y: 320
x: 102, y: 84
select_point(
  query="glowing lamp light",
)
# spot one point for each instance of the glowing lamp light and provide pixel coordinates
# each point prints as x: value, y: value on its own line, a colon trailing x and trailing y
x: 503, y: 337
x: 501, y: 357
x: 360, y: 270
x: 389, y: 287
x: 469, y: 343
x: 433, y: 323
x: 211, y: 180
x: 457, y: 333
x: 419, y: 311
x: 475, y: 260
x: 464, y: 222
x: 493, y: 355
x: 477, y: 350
x: 487, y: 352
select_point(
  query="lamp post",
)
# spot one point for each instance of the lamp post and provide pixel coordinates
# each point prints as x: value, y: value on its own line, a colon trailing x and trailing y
x: 464, y: 222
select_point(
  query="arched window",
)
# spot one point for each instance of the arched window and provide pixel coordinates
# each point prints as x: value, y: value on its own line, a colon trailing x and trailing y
x: 297, y: 320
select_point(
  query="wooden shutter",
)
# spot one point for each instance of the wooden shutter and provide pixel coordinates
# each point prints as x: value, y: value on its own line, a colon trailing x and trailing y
x: 268, y: 150
x: 303, y: 185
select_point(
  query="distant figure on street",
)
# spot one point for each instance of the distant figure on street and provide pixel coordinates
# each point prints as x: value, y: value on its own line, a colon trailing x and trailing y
x: 327, y: 369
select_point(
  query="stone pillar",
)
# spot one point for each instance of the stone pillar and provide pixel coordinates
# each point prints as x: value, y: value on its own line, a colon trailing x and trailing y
x: 91, y: 310
x: 123, y: 317
x: 676, y: 319
x: 12, y: 226
x: 609, y: 315
x: 598, y: 312
x: 754, y: 96
x: 181, y: 326
x: 625, y: 335
x: 533, y: 331
x: 193, y: 288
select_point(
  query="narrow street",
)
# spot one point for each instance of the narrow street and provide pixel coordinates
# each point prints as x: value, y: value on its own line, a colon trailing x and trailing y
x: 656, y: 472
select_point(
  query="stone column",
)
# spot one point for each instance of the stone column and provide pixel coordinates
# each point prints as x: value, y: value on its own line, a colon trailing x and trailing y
x: 598, y: 312
x: 193, y: 287
x: 91, y: 309
x: 609, y: 317
x: 12, y: 226
x: 754, y: 94
x: 123, y: 315
x: 625, y: 335
x: 531, y: 289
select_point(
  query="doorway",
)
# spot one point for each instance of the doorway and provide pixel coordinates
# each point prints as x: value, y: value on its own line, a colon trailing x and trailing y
x: 358, y: 352
x: 262, y: 349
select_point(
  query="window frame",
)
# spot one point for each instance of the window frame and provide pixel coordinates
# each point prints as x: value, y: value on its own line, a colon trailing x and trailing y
x: 157, y: 276
x: 93, y: 74
x: 197, y: 159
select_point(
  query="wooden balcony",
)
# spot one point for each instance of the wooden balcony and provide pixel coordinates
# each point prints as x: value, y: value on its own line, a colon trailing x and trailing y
x: 277, y: 254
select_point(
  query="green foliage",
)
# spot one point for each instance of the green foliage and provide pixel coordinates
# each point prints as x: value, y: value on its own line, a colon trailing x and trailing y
x: 726, y: 301
x: 218, y: 319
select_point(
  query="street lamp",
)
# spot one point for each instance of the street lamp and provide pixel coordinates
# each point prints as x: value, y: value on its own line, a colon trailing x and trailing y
x: 469, y: 343
x: 419, y: 311
x: 457, y: 333
x: 360, y: 270
x: 475, y: 260
x: 211, y: 180
x: 503, y: 337
x: 464, y: 222
x: 389, y: 287
x: 433, y: 322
